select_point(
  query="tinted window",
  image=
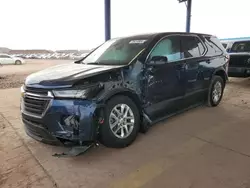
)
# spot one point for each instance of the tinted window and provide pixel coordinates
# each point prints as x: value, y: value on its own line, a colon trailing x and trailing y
x: 4, y: 56
x: 192, y: 46
x: 117, y: 51
x: 214, y: 46
x: 243, y: 46
x: 168, y: 47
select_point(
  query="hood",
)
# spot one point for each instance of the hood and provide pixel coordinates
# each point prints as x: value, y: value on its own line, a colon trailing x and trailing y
x: 66, y: 74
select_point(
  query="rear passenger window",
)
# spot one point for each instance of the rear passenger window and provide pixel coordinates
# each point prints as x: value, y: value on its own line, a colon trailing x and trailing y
x: 192, y: 46
x: 214, y: 46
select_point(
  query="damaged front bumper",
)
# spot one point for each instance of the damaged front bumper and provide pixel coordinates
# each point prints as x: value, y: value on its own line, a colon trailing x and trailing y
x: 60, y: 121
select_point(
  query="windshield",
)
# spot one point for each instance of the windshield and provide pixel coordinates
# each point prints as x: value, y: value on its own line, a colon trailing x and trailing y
x: 117, y: 51
x: 243, y: 46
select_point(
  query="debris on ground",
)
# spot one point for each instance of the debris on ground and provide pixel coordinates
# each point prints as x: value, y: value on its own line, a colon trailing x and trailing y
x: 75, y: 151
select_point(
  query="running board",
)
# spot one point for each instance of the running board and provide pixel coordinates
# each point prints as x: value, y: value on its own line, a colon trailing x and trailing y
x: 176, y: 113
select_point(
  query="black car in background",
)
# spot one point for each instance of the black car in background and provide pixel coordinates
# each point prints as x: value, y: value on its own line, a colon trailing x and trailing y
x: 239, y: 64
x: 122, y: 87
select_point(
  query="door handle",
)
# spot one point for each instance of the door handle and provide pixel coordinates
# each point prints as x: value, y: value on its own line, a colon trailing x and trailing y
x: 184, y: 66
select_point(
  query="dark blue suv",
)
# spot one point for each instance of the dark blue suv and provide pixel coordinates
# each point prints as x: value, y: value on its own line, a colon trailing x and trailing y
x: 122, y: 87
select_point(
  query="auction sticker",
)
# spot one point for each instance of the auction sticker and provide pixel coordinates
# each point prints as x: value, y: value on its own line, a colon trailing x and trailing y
x: 137, y: 41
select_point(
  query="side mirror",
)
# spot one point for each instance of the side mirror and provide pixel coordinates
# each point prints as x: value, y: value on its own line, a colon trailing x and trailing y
x: 158, y: 60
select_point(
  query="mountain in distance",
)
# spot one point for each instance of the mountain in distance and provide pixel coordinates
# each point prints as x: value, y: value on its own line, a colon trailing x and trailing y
x: 4, y: 50
x: 39, y: 51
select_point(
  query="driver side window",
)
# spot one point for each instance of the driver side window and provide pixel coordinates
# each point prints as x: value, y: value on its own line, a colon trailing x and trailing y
x: 168, y: 47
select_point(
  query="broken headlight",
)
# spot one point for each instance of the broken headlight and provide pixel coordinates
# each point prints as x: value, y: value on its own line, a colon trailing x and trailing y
x: 71, y: 93
x: 77, y: 93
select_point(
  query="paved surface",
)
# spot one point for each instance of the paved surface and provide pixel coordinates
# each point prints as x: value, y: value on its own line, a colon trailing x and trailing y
x: 202, y: 148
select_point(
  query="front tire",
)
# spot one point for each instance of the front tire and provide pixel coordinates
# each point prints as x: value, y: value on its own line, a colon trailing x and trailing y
x: 121, y: 122
x: 216, y: 91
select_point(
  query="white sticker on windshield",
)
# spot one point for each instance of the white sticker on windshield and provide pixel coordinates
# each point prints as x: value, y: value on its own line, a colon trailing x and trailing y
x: 137, y: 41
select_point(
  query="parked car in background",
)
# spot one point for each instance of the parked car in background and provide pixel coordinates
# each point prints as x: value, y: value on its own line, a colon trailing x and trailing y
x: 123, y: 86
x: 239, y: 64
x: 10, y: 60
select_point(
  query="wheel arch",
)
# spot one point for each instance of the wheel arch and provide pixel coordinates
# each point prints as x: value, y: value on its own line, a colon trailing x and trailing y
x: 103, y: 98
x: 222, y: 73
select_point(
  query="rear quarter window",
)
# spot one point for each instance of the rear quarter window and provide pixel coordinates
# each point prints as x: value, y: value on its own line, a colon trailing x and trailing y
x: 224, y: 45
x: 214, y: 46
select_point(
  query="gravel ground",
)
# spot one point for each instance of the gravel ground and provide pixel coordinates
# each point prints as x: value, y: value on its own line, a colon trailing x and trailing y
x: 12, y: 81
x: 13, y: 76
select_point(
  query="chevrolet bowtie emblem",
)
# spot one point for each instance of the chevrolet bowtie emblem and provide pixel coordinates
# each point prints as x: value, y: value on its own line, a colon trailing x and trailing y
x: 22, y: 94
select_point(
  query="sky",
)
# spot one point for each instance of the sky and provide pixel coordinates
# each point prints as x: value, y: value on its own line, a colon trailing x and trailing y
x: 79, y: 24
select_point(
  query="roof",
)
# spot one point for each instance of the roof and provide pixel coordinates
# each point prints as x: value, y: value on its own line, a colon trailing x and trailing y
x: 148, y: 35
x: 239, y: 38
x: 235, y: 40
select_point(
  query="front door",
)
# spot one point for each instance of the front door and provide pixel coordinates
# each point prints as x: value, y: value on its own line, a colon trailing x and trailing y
x: 165, y: 83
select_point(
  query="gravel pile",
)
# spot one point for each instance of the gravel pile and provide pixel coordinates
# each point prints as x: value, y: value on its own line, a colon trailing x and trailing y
x: 12, y: 81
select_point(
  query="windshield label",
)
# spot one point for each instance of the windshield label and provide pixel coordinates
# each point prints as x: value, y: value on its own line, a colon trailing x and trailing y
x: 137, y: 41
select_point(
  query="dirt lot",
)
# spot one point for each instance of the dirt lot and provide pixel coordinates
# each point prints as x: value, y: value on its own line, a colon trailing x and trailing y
x: 202, y: 148
x: 12, y: 76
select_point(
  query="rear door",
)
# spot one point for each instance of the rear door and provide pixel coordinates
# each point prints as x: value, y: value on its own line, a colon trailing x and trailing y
x: 193, y: 50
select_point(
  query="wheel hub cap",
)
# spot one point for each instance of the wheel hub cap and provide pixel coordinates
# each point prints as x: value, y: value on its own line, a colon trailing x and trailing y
x: 121, y: 120
x: 217, y: 91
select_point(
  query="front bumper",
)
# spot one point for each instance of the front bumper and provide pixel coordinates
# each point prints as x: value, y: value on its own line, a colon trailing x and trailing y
x: 63, y: 120
x: 38, y: 131
x: 239, y: 71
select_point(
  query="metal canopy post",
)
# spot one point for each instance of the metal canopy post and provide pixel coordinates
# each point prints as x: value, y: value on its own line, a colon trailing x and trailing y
x: 107, y: 19
x: 188, y: 17
x: 188, y: 21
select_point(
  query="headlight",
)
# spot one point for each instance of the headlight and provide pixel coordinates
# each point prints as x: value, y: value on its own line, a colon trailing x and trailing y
x: 81, y: 94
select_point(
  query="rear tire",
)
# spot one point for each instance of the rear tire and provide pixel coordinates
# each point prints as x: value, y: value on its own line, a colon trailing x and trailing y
x: 18, y: 62
x: 113, y: 132
x: 216, y: 91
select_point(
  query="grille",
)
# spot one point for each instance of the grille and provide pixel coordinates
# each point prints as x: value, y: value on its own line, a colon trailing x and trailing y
x: 35, y: 101
x: 35, y: 106
x: 238, y: 61
x: 36, y: 91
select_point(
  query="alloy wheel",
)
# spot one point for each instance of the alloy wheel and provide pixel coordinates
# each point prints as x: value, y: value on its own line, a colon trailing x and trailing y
x: 121, y: 121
